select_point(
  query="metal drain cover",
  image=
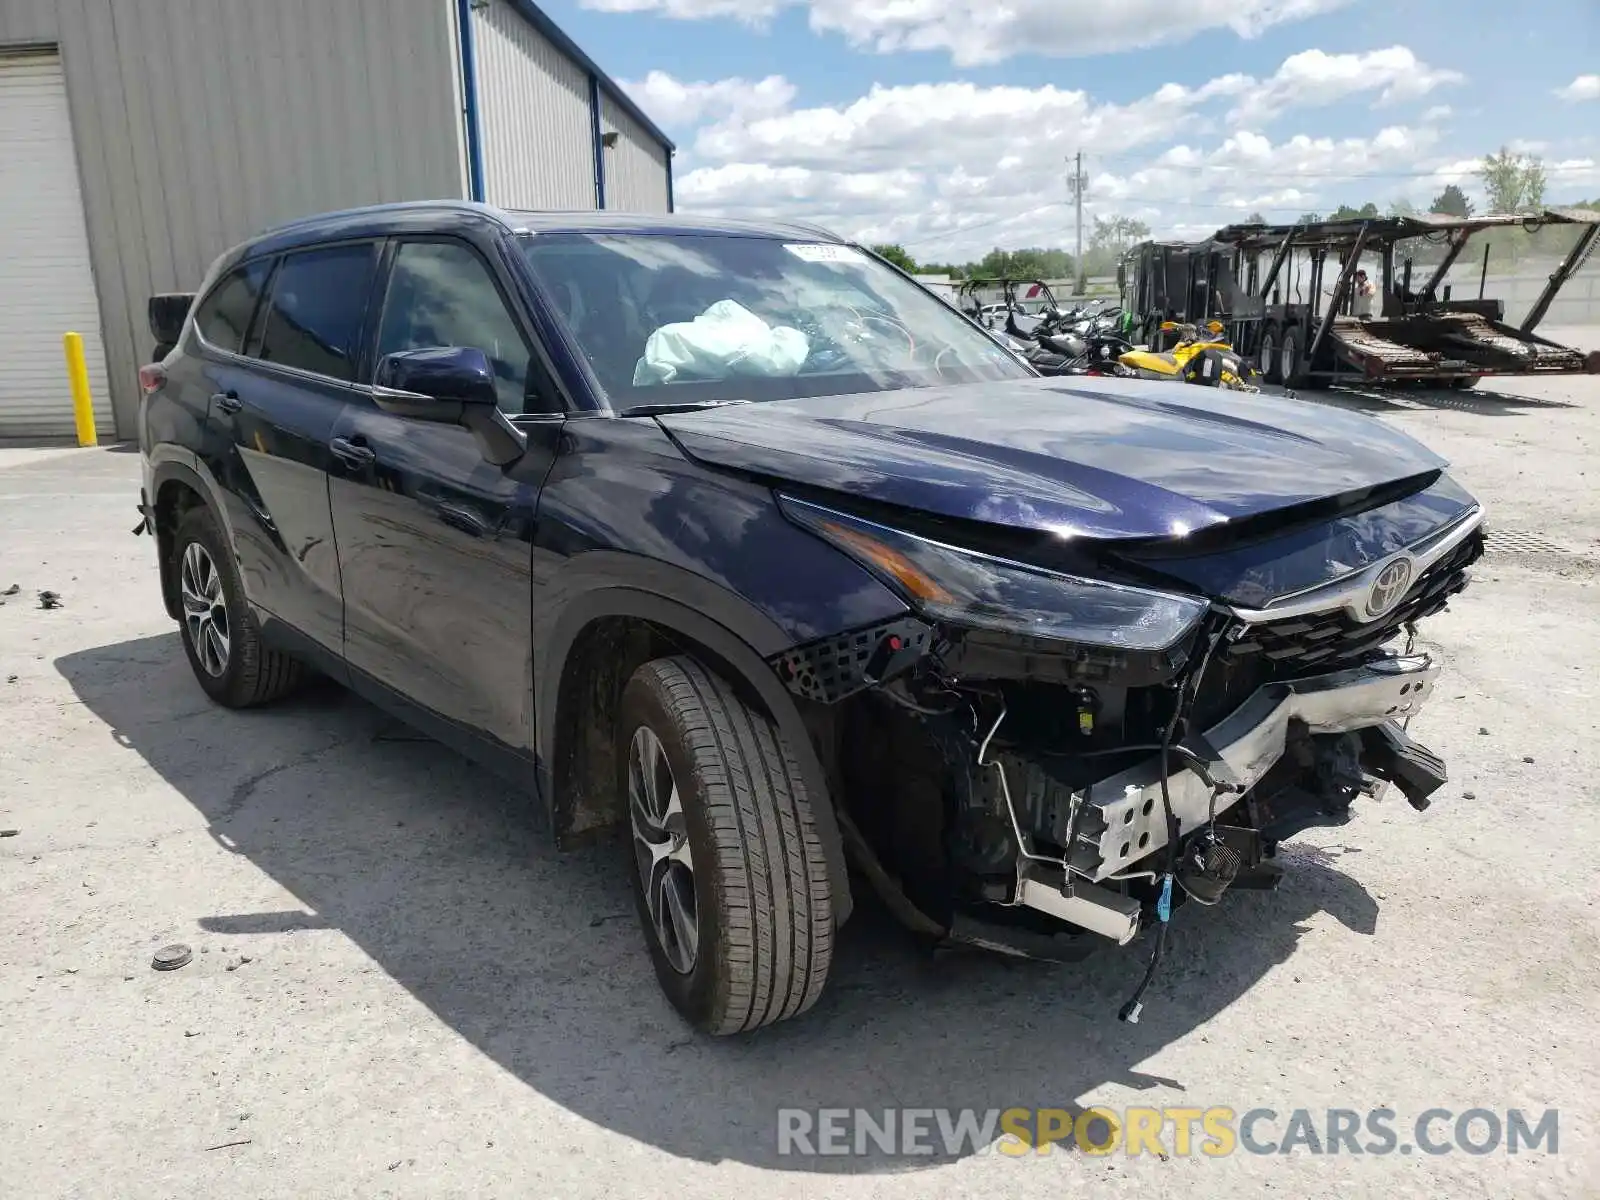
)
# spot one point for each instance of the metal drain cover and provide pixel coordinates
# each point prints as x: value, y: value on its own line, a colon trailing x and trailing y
x: 1517, y: 541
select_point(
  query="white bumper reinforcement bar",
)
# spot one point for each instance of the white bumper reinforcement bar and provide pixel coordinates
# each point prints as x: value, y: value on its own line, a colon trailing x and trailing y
x: 1249, y: 740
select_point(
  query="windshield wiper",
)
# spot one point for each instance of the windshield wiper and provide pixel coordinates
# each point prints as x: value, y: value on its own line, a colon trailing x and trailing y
x: 682, y: 406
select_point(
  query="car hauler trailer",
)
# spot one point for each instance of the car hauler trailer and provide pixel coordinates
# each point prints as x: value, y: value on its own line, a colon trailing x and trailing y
x: 1287, y: 296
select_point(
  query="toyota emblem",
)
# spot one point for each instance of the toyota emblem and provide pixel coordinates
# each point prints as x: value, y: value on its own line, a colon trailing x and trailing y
x: 1390, y: 585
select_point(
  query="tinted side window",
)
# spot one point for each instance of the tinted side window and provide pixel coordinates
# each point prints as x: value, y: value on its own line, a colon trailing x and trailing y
x: 319, y: 298
x: 224, y: 317
x: 441, y: 294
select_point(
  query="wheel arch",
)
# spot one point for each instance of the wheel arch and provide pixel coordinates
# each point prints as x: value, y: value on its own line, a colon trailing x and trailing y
x: 585, y: 659
x: 176, y: 487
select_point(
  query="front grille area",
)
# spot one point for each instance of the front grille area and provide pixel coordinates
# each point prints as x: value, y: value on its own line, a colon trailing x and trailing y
x: 1328, y: 638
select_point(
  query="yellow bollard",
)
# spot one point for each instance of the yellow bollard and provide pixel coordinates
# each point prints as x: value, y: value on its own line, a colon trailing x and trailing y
x: 78, y: 376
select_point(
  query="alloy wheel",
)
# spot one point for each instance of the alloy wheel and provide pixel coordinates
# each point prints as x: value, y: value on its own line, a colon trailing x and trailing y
x: 661, y: 850
x: 205, y: 609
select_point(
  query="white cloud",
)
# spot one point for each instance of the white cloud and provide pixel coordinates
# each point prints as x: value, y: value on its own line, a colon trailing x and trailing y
x: 980, y: 31
x: 1584, y: 87
x: 747, y: 12
x: 1314, y: 77
x: 672, y: 102
x: 1437, y: 113
x: 951, y: 169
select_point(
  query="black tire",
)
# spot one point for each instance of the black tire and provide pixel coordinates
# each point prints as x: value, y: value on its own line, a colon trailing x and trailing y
x: 1267, y: 356
x: 1292, y: 368
x: 764, y: 907
x: 1464, y: 382
x: 252, y: 674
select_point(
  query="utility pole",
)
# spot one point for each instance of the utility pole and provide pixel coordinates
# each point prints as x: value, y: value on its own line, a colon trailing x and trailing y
x: 1075, y: 185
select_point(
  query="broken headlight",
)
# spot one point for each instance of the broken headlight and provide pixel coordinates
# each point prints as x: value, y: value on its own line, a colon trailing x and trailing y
x: 969, y: 588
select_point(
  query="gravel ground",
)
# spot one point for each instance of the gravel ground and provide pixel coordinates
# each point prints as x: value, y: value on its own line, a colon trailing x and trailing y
x: 397, y: 990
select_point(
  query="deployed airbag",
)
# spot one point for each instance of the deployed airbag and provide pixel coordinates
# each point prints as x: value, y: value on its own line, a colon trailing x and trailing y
x: 727, y: 339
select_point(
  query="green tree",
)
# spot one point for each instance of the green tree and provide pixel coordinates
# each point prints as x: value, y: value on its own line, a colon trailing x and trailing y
x: 1117, y: 235
x: 896, y: 254
x: 1513, y: 182
x: 1029, y: 263
x: 1109, y: 240
x: 1533, y: 181
x: 1344, y: 212
x: 1308, y: 218
x: 1402, y: 207
x: 1452, y: 202
x: 1255, y: 218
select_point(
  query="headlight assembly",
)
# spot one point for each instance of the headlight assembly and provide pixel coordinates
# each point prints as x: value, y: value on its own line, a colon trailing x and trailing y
x: 969, y: 588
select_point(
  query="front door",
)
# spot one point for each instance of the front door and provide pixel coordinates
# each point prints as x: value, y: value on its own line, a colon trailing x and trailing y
x: 435, y: 543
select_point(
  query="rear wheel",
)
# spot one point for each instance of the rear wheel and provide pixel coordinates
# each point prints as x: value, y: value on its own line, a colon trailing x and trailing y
x: 1267, y: 357
x: 728, y: 868
x: 219, y: 632
x: 1291, y: 368
x: 1463, y: 382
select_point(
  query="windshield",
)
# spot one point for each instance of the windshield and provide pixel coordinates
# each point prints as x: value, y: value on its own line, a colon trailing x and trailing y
x: 705, y: 317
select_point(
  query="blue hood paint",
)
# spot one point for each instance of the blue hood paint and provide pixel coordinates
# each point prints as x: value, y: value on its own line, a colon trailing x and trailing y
x: 1095, y: 458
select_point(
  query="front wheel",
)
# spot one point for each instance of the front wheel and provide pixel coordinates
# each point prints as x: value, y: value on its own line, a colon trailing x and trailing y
x: 729, y: 876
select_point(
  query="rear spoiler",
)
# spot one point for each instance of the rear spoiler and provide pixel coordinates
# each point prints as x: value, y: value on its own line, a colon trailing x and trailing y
x: 167, y: 312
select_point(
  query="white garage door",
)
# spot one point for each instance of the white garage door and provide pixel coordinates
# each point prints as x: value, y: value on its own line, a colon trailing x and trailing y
x: 46, y: 285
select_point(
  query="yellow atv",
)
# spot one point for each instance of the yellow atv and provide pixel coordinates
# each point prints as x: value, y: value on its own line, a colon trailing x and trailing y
x: 1209, y: 361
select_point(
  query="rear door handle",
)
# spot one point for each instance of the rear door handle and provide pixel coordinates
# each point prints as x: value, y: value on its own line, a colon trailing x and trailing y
x: 228, y: 402
x: 353, y: 454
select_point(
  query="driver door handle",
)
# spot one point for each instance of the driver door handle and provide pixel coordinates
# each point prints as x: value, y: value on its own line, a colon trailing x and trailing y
x: 351, y: 453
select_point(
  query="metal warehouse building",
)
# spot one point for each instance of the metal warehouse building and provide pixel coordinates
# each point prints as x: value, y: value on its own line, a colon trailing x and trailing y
x: 141, y: 138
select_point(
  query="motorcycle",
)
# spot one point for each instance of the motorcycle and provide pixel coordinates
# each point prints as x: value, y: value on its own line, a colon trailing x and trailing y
x: 1207, y: 361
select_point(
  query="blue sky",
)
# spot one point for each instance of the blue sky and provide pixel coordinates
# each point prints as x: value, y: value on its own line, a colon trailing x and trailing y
x: 945, y: 124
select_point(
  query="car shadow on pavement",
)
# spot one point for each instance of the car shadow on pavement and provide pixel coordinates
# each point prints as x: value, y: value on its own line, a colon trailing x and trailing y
x: 434, y: 870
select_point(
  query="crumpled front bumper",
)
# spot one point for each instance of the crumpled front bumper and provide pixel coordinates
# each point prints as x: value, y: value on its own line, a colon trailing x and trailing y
x: 1247, y: 743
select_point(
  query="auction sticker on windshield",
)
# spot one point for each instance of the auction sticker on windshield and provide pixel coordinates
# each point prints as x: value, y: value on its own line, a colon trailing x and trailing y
x: 824, y: 252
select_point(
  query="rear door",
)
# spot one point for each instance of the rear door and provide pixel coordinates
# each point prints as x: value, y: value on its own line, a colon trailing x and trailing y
x: 435, y: 542
x: 277, y: 399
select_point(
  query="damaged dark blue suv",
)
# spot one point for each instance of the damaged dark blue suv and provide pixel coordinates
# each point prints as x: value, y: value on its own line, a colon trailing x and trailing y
x: 732, y: 539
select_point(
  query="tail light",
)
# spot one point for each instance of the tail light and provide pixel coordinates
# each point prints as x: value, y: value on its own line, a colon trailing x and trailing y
x: 152, y: 378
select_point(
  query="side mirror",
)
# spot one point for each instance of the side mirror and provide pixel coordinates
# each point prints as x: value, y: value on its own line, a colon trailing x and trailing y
x: 451, y: 385
x: 436, y: 384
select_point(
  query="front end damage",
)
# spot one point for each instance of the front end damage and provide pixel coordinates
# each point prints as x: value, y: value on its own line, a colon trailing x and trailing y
x: 1043, y: 797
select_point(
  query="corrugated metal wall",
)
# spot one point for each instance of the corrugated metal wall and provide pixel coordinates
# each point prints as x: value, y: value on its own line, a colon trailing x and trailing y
x: 200, y: 122
x: 533, y: 105
x: 636, y: 167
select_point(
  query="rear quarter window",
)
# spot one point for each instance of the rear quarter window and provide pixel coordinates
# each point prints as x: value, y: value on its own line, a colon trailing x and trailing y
x: 318, y: 304
x: 223, y: 318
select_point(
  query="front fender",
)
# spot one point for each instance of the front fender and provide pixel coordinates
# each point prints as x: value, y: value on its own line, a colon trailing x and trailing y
x: 736, y: 633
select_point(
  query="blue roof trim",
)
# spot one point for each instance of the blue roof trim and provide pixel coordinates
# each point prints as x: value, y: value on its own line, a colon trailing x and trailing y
x: 541, y: 21
x: 469, y: 92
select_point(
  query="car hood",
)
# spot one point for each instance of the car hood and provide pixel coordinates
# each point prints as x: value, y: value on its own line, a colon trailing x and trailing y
x: 1093, y: 457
